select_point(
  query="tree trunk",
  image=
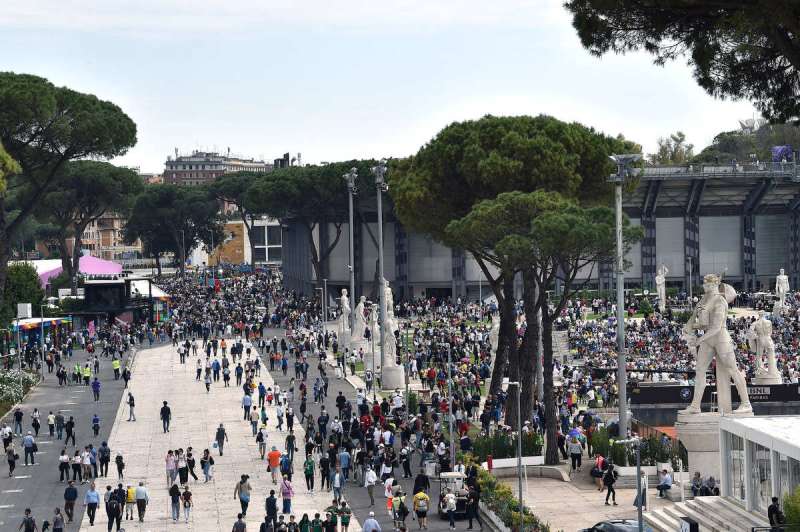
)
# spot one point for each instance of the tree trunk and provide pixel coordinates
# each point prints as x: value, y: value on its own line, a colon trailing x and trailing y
x: 529, y: 350
x: 76, y: 259
x: 550, y: 412
x: 66, y: 257
x: 508, y: 335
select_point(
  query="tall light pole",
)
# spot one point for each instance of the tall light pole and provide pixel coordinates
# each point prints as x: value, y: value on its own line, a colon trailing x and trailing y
x: 518, y: 385
x: 635, y: 443
x: 450, y: 411
x: 381, y: 186
x: 623, y: 163
x: 41, y: 340
x: 324, y: 303
x: 351, y: 177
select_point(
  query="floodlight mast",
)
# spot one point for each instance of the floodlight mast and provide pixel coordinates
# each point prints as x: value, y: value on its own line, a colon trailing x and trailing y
x: 623, y: 162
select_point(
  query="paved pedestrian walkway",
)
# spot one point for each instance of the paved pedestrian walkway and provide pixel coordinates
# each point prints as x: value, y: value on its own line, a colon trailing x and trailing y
x: 158, y: 376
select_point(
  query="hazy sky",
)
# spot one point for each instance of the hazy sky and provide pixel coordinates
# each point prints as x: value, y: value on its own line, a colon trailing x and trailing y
x: 341, y: 79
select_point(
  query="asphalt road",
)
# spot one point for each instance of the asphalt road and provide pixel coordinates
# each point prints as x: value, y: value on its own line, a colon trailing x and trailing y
x: 356, y: 494
x: 38, y: 487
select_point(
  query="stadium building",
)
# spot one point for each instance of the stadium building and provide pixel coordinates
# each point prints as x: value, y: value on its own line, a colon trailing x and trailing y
x: 739, y: 220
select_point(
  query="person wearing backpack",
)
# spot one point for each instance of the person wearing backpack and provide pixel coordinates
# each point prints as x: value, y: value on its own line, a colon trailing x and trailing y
x: 104, y: 458
x: 28, y: 522
x: 286, y: 466
x: 421, y: 503
x: 609, y: 478
x: 114, y: 512
x: 774, y: 513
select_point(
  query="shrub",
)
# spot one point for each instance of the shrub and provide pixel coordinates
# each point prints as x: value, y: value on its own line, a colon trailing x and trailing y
x: 10, y: 391
x: 501, y: 500
x: 791, y: 508
x: 501, y: 445
x: 413, y: 403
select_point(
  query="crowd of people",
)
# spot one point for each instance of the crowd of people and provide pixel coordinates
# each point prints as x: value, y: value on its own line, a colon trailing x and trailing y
x: 657, y: 351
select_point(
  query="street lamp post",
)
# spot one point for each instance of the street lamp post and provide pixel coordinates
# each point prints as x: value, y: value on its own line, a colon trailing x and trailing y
x: 623, y: 163
x: 381, y: 186
x: 635, y: 443
x: 450, y: 410
x: 518, y: 385
x: 41, y: 340
x: 372, y: 342
x: 324, y: 304
x: 690, y: 283
x: 350, y: 177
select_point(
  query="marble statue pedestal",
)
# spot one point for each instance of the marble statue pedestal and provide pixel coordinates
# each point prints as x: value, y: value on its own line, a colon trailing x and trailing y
x: 344, y: 340
x: 699, y: 433
x: 767, y: 379
x: 392, y: 377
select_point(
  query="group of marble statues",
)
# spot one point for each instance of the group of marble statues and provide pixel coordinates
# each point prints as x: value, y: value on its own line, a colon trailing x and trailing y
x: 709, y: 317
x: 360, y: 324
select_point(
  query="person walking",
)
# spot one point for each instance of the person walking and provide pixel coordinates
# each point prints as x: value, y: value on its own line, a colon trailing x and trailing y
x: 186, y: 499
x: 450, y: 507
x: 221, y: 437
x: 96, y: 390
x: 130, y: 502
x: 58, y: 521
x: 271, y: 507
x: 63, y: 466
x: 120, y: 463
x: 473, y: 503
x: 59, y: 422
x: 30, y: 448
x: 371, y: 524
x: 11, y: 458
x: 166, y: 416
x: 70, y: 496
x: 51, y: 423
x: 242, y: 492
x: 28, y: 522
x: 91, y: 500
x: 308, y: 471
x: 131, y: 406
x: 206, y: 463
x: 287, y: 492
x: 142, y: 499
x: 609, y: 479
x: 239, y: 525
x: 421, y: 503
x: 104, y: 457
x: 370, y: 479
x: 69, y: 428
x: 114, y: 510
x: 175, y: 502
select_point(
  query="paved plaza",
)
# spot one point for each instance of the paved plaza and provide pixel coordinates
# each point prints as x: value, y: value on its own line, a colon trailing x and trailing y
x: 158, y: 376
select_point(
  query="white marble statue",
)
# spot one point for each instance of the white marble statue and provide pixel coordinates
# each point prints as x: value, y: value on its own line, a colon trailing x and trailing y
x: 710, y: 316
x: 389, y: 327
x: 781, y: 289
x: 359, y: 321
x: 661, y: 287
x: 344, y: 316
x: 759, y: 337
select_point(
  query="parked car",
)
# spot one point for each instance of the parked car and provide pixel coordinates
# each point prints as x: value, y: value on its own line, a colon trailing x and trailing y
x: 617, y: 525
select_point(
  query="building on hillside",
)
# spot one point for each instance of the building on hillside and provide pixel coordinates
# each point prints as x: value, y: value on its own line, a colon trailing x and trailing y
x: 202, y: 167
x: 235, y: 248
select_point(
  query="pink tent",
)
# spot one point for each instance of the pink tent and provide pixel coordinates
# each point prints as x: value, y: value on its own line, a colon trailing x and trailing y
x: 88, y: 266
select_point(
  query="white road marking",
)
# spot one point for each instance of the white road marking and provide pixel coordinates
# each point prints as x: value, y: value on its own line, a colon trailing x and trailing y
x: 12, y: 491
x: 22, y: 476
x: 3, y: 506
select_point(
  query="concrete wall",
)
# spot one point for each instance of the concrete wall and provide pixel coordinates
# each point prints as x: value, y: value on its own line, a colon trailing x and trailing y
x: 721, y: 245
x: 669, y: 245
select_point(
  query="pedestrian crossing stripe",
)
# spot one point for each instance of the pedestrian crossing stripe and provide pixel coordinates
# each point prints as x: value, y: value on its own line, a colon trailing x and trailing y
x: 12, y: 491
x: 22, y: 476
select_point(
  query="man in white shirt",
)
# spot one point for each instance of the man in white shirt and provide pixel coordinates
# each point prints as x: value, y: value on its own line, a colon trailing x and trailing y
x: 370, y: 479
